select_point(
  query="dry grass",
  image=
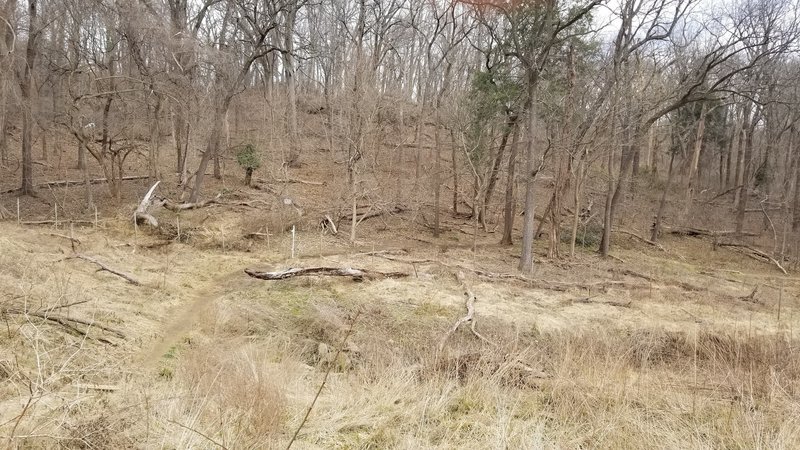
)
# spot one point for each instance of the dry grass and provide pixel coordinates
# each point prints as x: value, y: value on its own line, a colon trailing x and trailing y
x: 237, y: 360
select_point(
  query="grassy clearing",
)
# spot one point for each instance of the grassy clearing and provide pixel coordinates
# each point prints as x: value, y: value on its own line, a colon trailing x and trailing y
x: 237, y: 361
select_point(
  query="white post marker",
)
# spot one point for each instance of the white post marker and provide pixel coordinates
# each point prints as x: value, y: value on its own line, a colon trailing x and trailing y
x: 56, y: 209
x: 293, y: 238
x: 17, y: 210
x: 95, y: 217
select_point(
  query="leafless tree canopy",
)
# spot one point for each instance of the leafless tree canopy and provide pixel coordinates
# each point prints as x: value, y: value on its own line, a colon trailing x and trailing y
x: 563, y: 105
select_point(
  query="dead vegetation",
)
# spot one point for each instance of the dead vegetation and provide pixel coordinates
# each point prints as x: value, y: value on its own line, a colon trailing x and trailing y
x: 451, y: 348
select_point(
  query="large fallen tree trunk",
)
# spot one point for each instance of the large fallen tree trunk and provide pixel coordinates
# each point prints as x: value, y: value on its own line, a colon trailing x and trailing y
x: 177, y: 207
x: 68, y: 183
x: 691, y: 231
x: 370, y: 215
x: 355, y: 274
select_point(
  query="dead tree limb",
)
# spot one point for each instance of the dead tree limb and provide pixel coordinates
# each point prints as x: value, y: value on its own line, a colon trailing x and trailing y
x: 755, y: 252
x: 104, y: 267
x: 468, y: 318
x: 68, y: 323
x: 355, y: 274
x: 61, y: 222
x: 587, y: 300
x: 646, y: 241
x: 751, y: 297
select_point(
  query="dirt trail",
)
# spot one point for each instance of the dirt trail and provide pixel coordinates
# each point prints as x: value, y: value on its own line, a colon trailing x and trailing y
x: 186, y: 317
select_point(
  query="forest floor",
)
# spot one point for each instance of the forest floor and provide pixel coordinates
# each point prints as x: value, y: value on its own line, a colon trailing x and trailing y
x: 685, y: 346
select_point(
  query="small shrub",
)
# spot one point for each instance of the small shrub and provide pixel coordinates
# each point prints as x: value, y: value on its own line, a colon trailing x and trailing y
x: 247, y: 157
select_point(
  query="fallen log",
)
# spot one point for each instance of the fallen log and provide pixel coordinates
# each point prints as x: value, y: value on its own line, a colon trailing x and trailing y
x: 104, y: 267
x: 692, y: 231
x: 560, y: 286
x: 355, y: 274
x: 299, y: 181
x: 755, y: 252
x: 681, y: 284
x: 68, y: 183
x: 177, y: 207
x: 363, y: 217
x: 53, y: 222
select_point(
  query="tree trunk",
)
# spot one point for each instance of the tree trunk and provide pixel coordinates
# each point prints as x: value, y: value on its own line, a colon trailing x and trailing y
x: 454, y: 160
x: 291, y: 85
x: 509, y: 212
x: 698, y: 146
x: 663, y: 202
x: 212, y: 147
x: 614, y: 194
x: 155, y: 138
x: 747, y: 169
x: 511, y: 120
x: 605, y: 241
x: 796, y: 200
x: 26, y: 88
x: 576, y: 215
x: 437, y: 179
x: 528, y: 226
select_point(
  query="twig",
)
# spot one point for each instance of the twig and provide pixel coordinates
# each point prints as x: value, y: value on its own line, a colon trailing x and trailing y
x: 72, y: 239
x: 324, y: 380
x: 198, y: 432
